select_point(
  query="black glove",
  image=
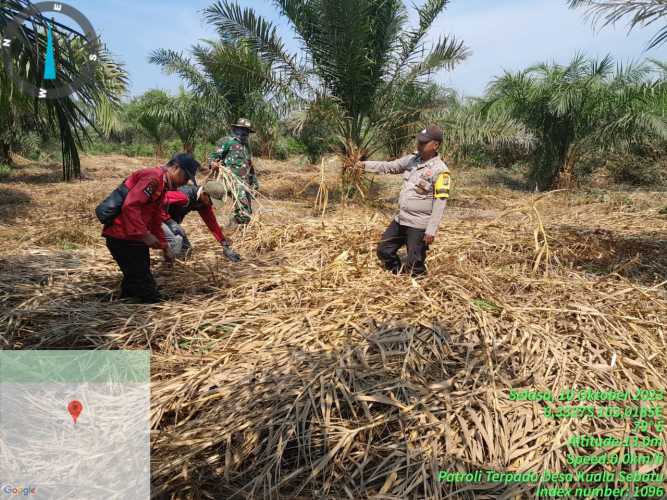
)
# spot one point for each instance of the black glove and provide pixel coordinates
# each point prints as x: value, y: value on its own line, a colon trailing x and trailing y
x: 229, y: 252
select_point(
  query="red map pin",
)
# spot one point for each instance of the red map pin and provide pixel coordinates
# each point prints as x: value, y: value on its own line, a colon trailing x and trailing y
x: 75, y: 408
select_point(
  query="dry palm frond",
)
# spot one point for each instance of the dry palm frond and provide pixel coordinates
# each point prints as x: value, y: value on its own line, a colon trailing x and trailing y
x: 322, y: 197
x: 229, y: 184
x: 543, y: 256
x: 542, y: 253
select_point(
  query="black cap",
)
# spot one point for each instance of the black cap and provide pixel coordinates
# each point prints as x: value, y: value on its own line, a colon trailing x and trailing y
x: 432, y: 133
x: 188, y: 164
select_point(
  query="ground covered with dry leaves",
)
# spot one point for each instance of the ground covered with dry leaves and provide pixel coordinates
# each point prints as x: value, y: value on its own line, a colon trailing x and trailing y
x: 308, y: 372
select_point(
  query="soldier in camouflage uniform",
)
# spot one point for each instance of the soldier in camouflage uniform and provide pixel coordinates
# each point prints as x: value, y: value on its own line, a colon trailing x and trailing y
x: 234, y: 154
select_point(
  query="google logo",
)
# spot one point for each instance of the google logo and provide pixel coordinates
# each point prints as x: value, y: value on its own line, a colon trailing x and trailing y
x: 18, y: 491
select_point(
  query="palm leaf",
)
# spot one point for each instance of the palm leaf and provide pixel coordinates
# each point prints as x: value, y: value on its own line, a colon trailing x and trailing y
x: 234, y: 22
x: 638, y: 12
x: 446, y: 54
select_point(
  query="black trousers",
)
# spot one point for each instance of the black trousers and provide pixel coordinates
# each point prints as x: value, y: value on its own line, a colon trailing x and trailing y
x: 393, y: 239
x: 133, y: 258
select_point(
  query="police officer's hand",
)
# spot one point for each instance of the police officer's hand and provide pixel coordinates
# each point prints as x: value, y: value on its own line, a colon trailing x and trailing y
x: 151, y: 241
x: 429, y: 238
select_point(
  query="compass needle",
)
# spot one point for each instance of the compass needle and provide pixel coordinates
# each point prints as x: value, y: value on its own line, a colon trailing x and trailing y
x: 50, y: 61
x: 64, y: 51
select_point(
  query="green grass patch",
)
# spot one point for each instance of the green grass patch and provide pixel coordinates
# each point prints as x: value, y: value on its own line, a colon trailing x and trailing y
x: 217, y: 328
x: 110, y: 148
x: 68, y: 246
x: 599, y: 270
x: 197, y: 345
x: 5, y: 171
x: 486, y: 305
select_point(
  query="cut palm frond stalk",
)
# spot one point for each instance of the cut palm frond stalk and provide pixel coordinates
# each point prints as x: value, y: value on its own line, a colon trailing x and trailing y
x: 322, y: 197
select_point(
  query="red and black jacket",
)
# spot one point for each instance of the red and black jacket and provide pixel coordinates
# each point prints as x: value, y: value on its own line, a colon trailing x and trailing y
x: 179, y: 203
x: 142, y: 209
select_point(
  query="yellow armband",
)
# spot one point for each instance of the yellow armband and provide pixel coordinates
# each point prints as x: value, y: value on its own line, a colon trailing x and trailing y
x: 442, y: 186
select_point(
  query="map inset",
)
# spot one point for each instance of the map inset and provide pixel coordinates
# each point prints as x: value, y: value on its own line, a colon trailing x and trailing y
x: 75, y: 424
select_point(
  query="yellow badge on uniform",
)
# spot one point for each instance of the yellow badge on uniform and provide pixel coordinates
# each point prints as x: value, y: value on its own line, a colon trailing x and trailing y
x: 442, y: 186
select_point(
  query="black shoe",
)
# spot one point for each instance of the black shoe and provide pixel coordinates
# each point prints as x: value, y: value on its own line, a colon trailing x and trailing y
x: 142, y: 299
x: 153, y: 299
x: 130, y: 300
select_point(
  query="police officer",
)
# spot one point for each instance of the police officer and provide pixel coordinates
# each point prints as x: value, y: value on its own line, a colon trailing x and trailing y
x: 235, y: 155
x: 138, y: 226
x: 177, y: 205
x: 422, y: 202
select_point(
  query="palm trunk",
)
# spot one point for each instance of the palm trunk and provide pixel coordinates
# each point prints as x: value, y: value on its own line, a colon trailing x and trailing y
x: 564, y: 178
x: 353, y: 181
x: 188, y: 148
x: 5, y: 154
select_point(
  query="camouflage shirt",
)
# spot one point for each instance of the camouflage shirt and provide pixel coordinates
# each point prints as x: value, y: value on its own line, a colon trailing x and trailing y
x: 237, y: 157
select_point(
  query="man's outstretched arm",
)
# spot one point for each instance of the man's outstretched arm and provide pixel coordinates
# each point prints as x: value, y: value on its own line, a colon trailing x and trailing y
x: 208, y: 216
x: 388, y: 167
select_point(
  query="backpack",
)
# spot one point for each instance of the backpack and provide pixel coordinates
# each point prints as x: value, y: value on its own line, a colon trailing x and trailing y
x: 110, y: 208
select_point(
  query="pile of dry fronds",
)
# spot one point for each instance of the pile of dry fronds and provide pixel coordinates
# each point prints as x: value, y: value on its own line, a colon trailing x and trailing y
x: 308, y: 372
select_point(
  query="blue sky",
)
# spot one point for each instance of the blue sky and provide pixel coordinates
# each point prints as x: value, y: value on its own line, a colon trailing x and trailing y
x: 502, y: 34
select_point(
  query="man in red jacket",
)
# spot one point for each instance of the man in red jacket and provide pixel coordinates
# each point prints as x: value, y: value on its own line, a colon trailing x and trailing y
x: 138, y: 227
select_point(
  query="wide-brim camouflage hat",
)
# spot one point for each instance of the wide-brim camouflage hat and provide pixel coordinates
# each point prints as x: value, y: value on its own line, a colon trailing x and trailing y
x: 244, y: 123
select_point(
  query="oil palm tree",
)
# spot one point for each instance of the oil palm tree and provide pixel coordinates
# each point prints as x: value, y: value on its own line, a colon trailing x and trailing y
x: 233, y: 79
x: 639, y: 12
x: 187, y: 114
x: 92, y: 105
x: 356, y: 52
x: 140, y: 111
x: 470, y: 127
x: 409, y: 106
x: 587, y: 105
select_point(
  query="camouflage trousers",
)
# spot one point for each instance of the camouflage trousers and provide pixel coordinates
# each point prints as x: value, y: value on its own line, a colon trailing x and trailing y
x: 241, y: 196
x: 242, y: 206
